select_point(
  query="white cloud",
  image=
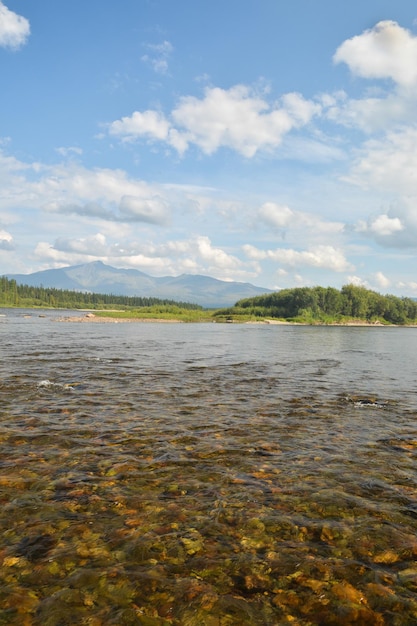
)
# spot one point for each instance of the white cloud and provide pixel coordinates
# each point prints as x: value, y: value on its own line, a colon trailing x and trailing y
x: 6, y: 240
x: 149, y: 124
x: 14, y: 185
x: 52, y: 255
x: 71, y: 189
x: 374, y: 114
x: 385, y: 51
x: 158, y: 56
x: 376, y: 281
x: 65, y: 152
x: 281, y: 218
x: 99, y: 193
x: 384, y: 225
x: 14, y: 29
x: 90, y: 209
x: 358, y: 282
x: 321, y: 256
x: 276, y: 215
x: 8, y: 217
x: 70, y: 251
x: 236, y: 118
x: 381, y: 226
x: 215, y: 257
x: 381, y: 280
x: 407, y: 286
x: 93, y: 246
x: 397, y: 228
x: 153, y: 210
x: 299, y: 109
x: 196, y: 255
x: 388, y: 164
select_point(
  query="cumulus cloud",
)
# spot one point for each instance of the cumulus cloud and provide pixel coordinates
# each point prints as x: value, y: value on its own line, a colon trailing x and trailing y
x: 153, y: 210
x: 151, y: 124
x: 100, y: 193
x: 73, y: 250
x: 14, y: 29
x: 6, y: 240
x: 236, y: 118
x: 385, y: 51
x: 196, y: 255
x: 239, y: 119
x: 158, y: 55
x: 214, y: 257
x: 109, y: 199
x: 71, y: 189
x: 383, y: 225
x: 381, y: 280
x: 358, y: 282
x: 93, y: 246
x: 276, y: 215
x: 397, y: 228
x: 321, y: 256
x: 280, y: 218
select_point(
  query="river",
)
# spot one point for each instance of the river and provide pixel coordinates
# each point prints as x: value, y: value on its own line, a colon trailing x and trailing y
x: 206, y: 474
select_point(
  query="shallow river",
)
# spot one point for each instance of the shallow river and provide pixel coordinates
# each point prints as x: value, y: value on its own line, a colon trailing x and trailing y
x: 206, y: 474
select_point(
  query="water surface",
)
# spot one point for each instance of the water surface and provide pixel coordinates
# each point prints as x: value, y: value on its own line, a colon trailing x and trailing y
x: 206, y: 474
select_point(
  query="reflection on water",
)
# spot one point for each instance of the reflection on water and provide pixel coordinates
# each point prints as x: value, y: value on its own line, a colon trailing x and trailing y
x: 206, y: 475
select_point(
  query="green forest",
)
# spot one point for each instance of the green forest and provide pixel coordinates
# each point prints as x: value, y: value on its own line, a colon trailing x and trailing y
x: 326, y: 305
x: 12, y: 294
x: 307, y: 305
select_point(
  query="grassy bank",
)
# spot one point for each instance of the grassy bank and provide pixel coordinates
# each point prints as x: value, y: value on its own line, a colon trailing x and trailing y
x: 160, y: 313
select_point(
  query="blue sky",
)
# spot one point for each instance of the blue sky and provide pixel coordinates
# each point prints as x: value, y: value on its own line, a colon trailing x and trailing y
x: 252, y: 140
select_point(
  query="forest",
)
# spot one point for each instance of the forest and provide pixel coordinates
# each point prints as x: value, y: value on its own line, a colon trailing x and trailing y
x: 307, y: 305
x: 326, y: 305
x: 12, y: 294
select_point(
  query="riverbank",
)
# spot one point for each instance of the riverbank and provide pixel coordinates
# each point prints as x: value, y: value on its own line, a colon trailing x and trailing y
x: 93, y: 318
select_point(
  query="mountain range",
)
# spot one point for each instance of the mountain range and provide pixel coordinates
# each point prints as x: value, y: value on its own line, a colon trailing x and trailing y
x: 100, y: 278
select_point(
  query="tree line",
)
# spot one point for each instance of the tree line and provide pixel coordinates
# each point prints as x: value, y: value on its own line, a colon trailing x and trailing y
x: 304, y: 304
x: 325, y: 304
x: 13, y: 294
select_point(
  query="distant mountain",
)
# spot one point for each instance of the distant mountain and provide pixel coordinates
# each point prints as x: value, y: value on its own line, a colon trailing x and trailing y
x: 100, y: 278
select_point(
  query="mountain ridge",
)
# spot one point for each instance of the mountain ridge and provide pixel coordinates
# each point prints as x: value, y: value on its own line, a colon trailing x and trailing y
x: 98, y: 277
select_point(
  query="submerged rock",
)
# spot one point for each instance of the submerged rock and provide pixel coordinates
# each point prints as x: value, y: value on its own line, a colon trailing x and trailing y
x: 36, y: 547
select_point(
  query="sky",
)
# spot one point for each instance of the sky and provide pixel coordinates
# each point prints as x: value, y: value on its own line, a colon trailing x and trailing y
x: 264, y: 141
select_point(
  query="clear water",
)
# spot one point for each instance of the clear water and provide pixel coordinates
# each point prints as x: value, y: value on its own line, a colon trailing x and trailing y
x: 195, y: 474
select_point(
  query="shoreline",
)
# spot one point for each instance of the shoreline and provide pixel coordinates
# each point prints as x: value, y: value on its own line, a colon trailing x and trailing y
x: 92, y: 318
x: 355, y: 323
